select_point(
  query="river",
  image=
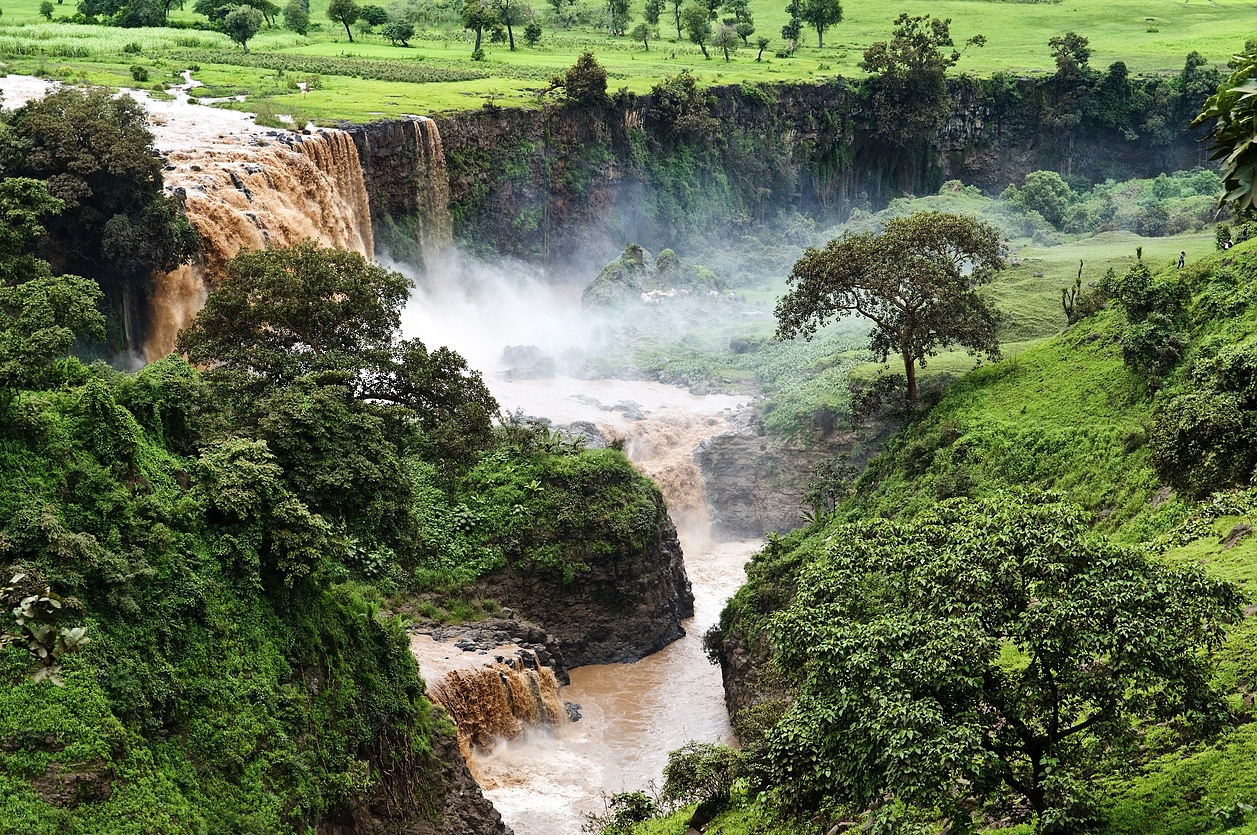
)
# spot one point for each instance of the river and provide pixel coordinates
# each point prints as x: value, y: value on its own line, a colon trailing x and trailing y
x: 545, y: 782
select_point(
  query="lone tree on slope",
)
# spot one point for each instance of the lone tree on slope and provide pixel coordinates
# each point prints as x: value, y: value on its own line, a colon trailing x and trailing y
x: 917, y: 282
x: 820, y: 15
x: 344, y: 12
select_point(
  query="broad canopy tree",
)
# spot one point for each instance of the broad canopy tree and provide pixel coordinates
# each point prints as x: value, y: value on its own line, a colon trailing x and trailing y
x: 917, y: 281
x: 327, y: 317
x: 989, y: 646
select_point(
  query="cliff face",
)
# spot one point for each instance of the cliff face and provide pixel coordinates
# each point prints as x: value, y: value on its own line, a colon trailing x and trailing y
x: 444, y: 800
x: 618, y: 611
x: 755, y: 481
x: 563, y: 183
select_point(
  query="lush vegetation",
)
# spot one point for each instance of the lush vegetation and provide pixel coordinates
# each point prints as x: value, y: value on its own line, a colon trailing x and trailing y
x: 202, y: 563
x: 1137, y: 418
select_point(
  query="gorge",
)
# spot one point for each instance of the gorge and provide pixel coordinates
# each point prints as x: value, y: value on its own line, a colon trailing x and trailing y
x: 570, y: 660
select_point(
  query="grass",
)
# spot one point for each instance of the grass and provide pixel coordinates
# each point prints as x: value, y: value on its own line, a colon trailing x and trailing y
x: 1017, y: 35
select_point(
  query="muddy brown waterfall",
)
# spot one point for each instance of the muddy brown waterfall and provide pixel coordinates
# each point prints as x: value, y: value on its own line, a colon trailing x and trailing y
x: 258, y: 195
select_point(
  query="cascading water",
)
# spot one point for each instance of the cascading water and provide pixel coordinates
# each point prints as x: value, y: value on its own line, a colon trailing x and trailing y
x: 246, y: 186
x: 432, y: 197
x: 497, y: 702
x: 257, y: 195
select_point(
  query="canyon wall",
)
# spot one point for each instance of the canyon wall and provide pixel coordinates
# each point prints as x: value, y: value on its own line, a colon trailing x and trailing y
x: 573, y: 184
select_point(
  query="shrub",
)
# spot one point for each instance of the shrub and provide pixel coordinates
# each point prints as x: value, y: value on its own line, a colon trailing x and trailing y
x: 1199, y: 443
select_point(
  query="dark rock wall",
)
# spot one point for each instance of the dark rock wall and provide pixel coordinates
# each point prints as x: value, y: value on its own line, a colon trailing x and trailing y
x: 618, y: 611
x: 435, y: 796
x: 564, y: 184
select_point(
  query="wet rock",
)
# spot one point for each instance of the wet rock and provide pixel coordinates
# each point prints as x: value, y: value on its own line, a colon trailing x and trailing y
x: 534, y: 644
x: 573, y: 711
x: 526, y: 362
x: 755, y: 482
x: 631, y: 409
x: 622, y: 608
x: 585, y: 432
x: 68, y: 786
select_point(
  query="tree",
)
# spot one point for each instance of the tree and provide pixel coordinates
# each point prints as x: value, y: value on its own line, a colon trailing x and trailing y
x: 476, y: 16
x: 509, y: 12
x: 761, y: 43
x: 216, y: 10
x: 726, y: 38
x: 617, y: 16
x: 697, y: 25
x: 564, y: 12
x: 297, y: 16
x: 1233, y: 111
x: 907, y: 84
x: 241, y: 24
x: 794, y: 28
x: 1071, y: 53
x: 1047, y: 193
x: 743, y: 19
x: 584, y: 83
x: 344, y: 12
x: 917, y: 282
x: 821, y: 14
x: 46, y: 9
x: 641, y: 32
x: 677, y: 5
x: 40, y: 314
x: 399, y: 32
x: 987, y: 643
x: 305, y: 316
x: 532, y: 33
x: 96, y: 154
x: 372, y: 16
x: 652, y: 11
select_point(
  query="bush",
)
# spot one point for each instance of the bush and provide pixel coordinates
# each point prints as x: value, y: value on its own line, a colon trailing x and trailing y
x: 532, y: 34
x: 399, y: 32
x: 1200, y: 444
x: 139, y: 73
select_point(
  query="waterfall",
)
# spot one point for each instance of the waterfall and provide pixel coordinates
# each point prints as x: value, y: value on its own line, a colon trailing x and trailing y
x: 271, y: 193
x: 432, y: 196
x: 499, y: 701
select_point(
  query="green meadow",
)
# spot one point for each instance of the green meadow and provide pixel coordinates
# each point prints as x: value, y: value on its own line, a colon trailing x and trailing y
x: 1150, y: 36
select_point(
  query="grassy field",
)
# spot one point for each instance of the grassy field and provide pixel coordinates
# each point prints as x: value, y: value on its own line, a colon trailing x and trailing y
x: 1151, y: 36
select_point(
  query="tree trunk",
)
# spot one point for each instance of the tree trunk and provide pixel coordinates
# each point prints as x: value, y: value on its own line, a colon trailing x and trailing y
x: 510, y: 36
x: 476, y: 48
x: 726, y: 49
x: 347, y: 32
x: 646, y: 44
x: 676, y: 13
x: 703, y: 47
x: 910, y: 371
x: 820, y: 37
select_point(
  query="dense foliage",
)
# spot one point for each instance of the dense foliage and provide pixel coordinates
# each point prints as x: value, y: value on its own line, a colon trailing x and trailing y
x: 1232, y: 111
x: 1023, y: 649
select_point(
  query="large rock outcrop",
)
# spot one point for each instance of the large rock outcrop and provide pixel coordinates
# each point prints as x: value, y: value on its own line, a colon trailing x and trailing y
x: 755, y: 481
x: 573, y: 184
x: 618, y: 611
